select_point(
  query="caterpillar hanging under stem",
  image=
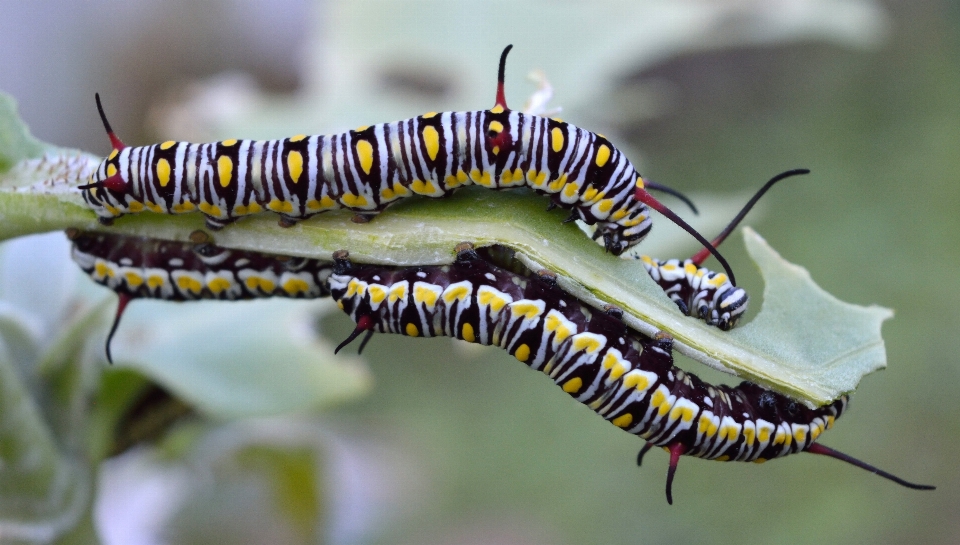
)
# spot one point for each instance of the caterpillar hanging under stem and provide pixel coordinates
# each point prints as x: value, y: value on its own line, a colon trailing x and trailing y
x: 624, y: 376
x: 367, y: 169
x: 140, y: 267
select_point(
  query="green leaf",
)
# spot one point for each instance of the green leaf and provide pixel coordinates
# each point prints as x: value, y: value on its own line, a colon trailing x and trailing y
x: 16, y: 142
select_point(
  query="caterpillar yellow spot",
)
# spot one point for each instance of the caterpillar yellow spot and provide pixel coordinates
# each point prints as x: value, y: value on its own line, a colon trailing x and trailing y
x: 352, y: 200
x: 526, y: 309
x: 427, y: 187
x: 498, y: 109
x: 297, y: 138
x: 113, y: 154
x: 605, y: 205
x: 412, y: 330
x: 111, y: 170
x: 571, y: 189
x: 155, y: 207
x: 749, y: 435
x: 361, y: 128
x: 588, y: 342
x: 456, y: 293
x: 377, y: 294
x: 496, y: 126
x: 603, y: 155
x: 294, y: 286
x: 295, y: 165
x: 133, y: 279
x: 461, y: 177
x: 431, y: 140
x: 639, y: 182
x: 800, y: 434
x: 426, y: 294
x: 589, y: 194
x: 135, y: 206
x: 112, y: 209
x: 724, y: 458
x: 280, y: 206
x: 155, y: 281
x: 467, y: 333
x: 210, y: 209
x: 225, y: 170
x: 219, y: 284
x: 229, y: 142
x: 556, y: 139
x: 557, y: 184
x: 428, y: 115
x: 398, y: 291
x: 760, y: 460
x: 256, y: 282
x: 167, y: 145
x: 623, y: 421
x: 365, y: 153
x: 185, y: 206
x: 189, y: 284
x: 522, y: 353
x: 573, y: 385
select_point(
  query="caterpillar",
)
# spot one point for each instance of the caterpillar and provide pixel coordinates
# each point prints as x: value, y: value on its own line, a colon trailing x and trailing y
x: 139, y: 267
x: 367, y: 169
x: 625, y: 377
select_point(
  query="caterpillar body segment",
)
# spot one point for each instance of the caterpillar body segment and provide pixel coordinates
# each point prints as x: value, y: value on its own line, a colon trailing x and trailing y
x: 625, y: 377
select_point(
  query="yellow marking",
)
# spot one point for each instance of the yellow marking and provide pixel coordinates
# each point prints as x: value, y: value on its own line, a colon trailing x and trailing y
x: 556, y: 323
x: 496, y: 126
x: 294, y: 286
x: 163, y: 172
x: 496, y: 109
x: 155, y: 281
x: 112, y: 209
x: 749, y: 435
x: 800, y: 434
x: 619, y: 214
x: 467, y: 333
x: 427, y: 187
x: 167, y: 145
x: 507, y: 177
x: 496, y: 150
x: 556, y: 139
x: 589, y: 194
x: 350, y: 199
x: 295, y: 165
x: 683, y: 411
x: 635, y: 221
x: 361, y: 128
x: 185, y: 206
x: 526, y: 309
x: 830, y: 420
x: 210, y: 209
x: 730, y: 432
x: 764, y: 434
x: 557, y: 184
x: 135, y: 206
x: 603, y: 155
x: 255, y: 282
x: 760, y: 460
x: 616, y: 366
x: 636, y: 381
x: 522, y: 353
x: 623, y: 421
x: 605, y: 205
x: 426, y: 294
x: 456, y: 293
x: 113, y: 154
x: 428, y: 115
x: 297, y: 138
x: 111, y: 170
x: 340, y: 304
x: 228, y: 142
x: 492, y: 299
x: 398, y: 291
x: 412, y: 330
x: 155, y: 207
x: 133, y: 279
x: 780, y: 437
x: 707, y: 426
x: 815, y: 431
x: 571, y: 189
x: 639, y: 182
x: 462, y: 176
x: 225, y: 170
x: 573, y: 385
x: 218, y: 284
x: 385, y: 194
x: 324, y: 203
x: 587, y: 342
x: 365, y: 152
x: 723, y: 458
x: 189, y: 284
x: 431, y: 139
x: 377, y: 294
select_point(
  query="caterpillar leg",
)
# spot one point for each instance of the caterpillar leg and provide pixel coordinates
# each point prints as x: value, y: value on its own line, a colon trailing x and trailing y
x: 817, y: 448
x: 643, y: 452
x: 215, y: 224
x: 286, y: 221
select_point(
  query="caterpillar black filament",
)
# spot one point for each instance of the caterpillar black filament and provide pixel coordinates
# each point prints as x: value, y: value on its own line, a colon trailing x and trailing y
x: 367, y: 169
x: 625, y: 377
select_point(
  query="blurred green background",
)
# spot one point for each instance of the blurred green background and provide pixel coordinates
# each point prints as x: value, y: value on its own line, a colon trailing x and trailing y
x: 465, y: 445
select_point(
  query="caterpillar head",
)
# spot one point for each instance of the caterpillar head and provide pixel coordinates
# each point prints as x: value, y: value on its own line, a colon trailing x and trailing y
x: 105, y: 190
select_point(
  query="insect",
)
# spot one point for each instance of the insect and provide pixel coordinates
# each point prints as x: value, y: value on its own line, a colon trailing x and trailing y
x: 625, y: 377
x: 367, y: 169
x: 139, y: 267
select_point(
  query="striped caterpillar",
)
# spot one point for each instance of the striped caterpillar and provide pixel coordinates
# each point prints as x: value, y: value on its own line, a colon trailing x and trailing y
x: 367, y: 169
x: 139, y: 267
x: 625, y: 377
